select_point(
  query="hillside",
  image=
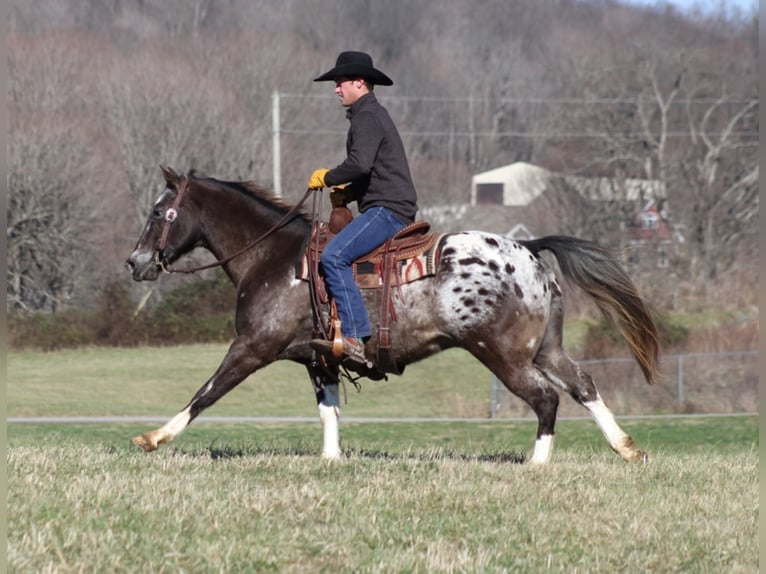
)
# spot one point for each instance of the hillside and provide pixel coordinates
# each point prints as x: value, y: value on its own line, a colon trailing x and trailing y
x: 102, y: 92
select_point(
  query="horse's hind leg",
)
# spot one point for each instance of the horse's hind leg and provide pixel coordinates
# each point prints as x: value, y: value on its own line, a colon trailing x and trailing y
x: 529, y: 385
x: 563, y: 372
x: 524, y: 380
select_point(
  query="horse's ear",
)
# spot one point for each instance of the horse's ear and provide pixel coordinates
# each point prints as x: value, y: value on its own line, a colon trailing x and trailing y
x: 170, y: 175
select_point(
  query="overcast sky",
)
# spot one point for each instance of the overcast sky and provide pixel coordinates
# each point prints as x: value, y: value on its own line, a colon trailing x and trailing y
x: 707, y: 6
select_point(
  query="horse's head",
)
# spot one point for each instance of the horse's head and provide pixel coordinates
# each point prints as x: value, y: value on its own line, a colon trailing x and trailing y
x: 171, y: 230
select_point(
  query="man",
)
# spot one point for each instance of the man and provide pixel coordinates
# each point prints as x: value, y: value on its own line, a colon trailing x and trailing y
x: 377, y: 177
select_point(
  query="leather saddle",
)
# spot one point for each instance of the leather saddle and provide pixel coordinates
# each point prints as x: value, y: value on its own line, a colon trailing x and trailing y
x: 411, y: 254
x: 408, y: 256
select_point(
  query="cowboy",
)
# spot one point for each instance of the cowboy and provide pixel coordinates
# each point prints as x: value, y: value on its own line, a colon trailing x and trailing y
x: 376, y: 175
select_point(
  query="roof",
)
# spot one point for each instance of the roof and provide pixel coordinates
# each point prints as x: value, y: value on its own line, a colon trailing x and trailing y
x: 523, y: 182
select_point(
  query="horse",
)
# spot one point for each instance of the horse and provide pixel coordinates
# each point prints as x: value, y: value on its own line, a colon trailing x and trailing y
x: 498, y: 298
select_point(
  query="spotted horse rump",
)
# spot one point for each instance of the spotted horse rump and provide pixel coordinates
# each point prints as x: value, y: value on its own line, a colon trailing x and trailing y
x: 481, y: 272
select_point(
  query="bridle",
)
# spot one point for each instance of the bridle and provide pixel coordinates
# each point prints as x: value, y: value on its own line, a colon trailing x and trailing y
x: 171, y: 216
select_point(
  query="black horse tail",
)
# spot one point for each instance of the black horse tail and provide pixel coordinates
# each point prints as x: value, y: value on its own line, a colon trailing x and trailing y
x: 597, y: 272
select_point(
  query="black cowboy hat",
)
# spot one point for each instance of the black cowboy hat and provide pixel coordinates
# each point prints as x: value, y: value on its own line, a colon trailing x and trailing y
x: 355, y: 65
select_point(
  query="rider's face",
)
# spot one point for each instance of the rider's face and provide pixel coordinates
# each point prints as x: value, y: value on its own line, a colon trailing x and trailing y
x: 349, y: 90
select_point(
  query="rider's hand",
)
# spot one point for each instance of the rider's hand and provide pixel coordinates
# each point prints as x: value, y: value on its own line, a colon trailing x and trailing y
x: 316, y: 181
x: 341, y: 195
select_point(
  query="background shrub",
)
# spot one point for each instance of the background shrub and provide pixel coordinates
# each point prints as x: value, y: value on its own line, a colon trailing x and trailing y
x: 199, y: 312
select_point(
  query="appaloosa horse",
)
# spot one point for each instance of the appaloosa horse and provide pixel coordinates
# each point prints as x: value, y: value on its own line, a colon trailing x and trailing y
x: 493, y: 296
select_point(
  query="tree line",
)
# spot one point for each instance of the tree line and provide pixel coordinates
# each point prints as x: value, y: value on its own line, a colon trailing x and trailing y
x: 102, y: 91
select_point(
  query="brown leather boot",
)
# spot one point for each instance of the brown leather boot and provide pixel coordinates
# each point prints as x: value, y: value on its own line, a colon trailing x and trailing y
x: 353, y: 351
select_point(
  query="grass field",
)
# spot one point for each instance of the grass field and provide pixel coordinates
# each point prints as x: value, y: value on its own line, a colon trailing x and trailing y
x: 160, y: 381
x: 426, y: 497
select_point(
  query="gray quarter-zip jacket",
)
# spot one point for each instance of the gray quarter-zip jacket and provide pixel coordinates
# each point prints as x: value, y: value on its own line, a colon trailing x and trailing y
x: 376, y: 166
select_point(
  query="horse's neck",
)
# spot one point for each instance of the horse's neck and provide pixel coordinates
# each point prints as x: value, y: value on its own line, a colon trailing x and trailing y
x: 251, y: 227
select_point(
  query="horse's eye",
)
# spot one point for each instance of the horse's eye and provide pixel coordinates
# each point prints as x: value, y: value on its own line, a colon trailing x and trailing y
x: 156, y: 213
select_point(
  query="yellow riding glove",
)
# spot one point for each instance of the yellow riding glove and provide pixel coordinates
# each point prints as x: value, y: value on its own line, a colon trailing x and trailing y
x: 316, y: 181
x: 341, y: 195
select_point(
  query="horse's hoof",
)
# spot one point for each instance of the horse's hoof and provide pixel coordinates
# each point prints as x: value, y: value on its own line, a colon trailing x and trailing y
x: 144, y: 443
x: 638, y: 456
x: 332, y: 457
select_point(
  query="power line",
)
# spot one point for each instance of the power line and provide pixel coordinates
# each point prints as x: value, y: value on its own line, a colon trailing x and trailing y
x: 637, y: 137
x: 555, y: 101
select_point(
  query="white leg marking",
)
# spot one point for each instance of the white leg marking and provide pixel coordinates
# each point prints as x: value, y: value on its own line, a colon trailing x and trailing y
x: 543, y: 448
x: 174, y: 427
x: 618, y: 439
x: 605, y: 421
x: 329, y: 414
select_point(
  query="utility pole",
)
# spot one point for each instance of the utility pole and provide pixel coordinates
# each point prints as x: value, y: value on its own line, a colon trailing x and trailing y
x: 277, y: 159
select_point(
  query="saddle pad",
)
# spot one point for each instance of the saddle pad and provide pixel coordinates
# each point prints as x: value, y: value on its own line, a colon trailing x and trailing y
x: 410, y: 265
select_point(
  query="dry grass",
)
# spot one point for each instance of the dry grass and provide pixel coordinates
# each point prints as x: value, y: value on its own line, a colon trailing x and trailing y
x: 81, y: 499
x: 77, y: 508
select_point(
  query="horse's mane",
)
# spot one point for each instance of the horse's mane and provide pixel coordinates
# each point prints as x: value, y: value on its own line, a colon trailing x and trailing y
x: 251, y: 189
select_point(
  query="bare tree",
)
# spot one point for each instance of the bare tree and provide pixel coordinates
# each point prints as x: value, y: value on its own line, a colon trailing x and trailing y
x: 50, y: 215
x: 722, y: 178
x: 46, y: 224
x: 101, y: 92
x: 682, y: 119
x: 169, y: 111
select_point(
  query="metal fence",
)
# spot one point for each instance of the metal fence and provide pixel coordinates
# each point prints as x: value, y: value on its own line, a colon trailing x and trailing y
x: 690, y: 383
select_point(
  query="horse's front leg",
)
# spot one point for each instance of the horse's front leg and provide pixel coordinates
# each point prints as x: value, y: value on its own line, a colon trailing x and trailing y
x: 240, y: 361
x: 328, y: 400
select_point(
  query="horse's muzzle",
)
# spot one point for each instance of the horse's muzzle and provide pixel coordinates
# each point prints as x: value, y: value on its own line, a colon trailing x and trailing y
x: 142, y: 267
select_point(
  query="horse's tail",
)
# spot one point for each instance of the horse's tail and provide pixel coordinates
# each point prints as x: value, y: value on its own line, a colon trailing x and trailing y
x: 595, y: 271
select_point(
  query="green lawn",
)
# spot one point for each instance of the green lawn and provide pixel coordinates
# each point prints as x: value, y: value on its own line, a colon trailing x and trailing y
x: 670, y: 437
x: 160, y: 381
x: 406, y: 497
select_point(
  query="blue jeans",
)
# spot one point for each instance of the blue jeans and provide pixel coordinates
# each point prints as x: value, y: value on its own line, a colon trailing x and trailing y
x: 366, y: 231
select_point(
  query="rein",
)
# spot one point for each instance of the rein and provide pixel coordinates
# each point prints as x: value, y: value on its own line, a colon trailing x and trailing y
x: 172, y: 214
